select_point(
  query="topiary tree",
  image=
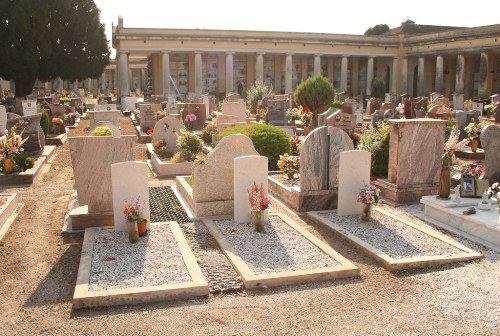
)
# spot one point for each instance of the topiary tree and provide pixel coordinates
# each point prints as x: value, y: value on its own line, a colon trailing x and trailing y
x: 377, y: 29
x: 378, y: 88
x: 44, y: 122
x: 256, y: 92
x: 315, y: 94
x: 268, y: 140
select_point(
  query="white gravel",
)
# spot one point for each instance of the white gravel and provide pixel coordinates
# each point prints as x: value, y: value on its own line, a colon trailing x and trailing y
x: 391, y: 236
x: 279, y: 249
x: 154, y: 260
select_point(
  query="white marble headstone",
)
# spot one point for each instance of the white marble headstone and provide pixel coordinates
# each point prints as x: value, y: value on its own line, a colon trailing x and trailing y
x: 97, y: 116
x: 354, y: 173
x: 129, y: 182
x: 247, y: 171
x: 3, y: 119
x: 236, y: 109
x: 29, y: 107
x: 168, y: 129
x: 129, y: 103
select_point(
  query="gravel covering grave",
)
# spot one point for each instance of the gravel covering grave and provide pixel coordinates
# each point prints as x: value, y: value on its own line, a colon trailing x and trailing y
x: 279, y: 249
x: 164, y: 206
x: 154, y: 260
x: 393, y: 237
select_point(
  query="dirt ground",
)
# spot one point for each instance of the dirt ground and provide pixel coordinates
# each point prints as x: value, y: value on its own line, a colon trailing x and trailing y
x: 39, y: 267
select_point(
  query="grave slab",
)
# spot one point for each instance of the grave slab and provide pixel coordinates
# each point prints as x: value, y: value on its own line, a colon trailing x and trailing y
x: 165, y: 169
x: 8, y: 211
x: 354, y: 173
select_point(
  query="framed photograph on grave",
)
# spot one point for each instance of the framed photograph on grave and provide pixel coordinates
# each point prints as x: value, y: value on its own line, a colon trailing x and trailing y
x: 467, y: 187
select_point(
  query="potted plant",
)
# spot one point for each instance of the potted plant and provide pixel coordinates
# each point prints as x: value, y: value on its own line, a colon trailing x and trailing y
x: 142, y: 225
x: 10, y: 146
x: 289, y: 165
x: 306, y: 122
x: 473, y: 130
x: 258, y: 203
x: 294, y: 114
x: 132, y: 212
x: 368, y: 195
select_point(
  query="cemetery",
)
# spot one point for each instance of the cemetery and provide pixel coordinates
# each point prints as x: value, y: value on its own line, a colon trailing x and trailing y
x: 173, y: 199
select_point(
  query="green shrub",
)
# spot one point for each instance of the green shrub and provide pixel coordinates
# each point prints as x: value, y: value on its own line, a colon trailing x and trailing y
x: 268, y: 140
x: 208, y: 131
x: 189, y: 144
x: 44, y: 122
x: 336, y: 104
x: 315, y: 94
x: 376, y: 140
x: 23, y: 162
x: 378, y: 88
x: 256, y: 92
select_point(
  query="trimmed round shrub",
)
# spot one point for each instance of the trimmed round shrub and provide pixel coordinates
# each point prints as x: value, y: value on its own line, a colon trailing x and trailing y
x: 378, y: 88
x: 268, y: 140
x: 315, y: 94
x: 380, y: 156
x: 44, y: 122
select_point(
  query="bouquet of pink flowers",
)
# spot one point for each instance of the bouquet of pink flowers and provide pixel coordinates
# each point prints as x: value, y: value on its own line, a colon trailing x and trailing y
x: 257, y: 198
x: 289, y: 164
x: 132, y: 211
x: 473, y: 171
x: 369, y: 194
x: 190, y: 117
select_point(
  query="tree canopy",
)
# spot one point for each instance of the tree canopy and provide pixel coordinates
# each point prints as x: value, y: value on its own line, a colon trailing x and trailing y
x: 49, y: 39
x: 315, y: 94
x: 377, y: 29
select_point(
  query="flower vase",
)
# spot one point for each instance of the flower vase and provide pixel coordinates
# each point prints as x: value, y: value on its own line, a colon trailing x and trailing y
x: 307, y: 130
x: 142, y: 228
x: 290, y: 176
x: 133, y: 233
x: 474, y: 143
x: 366, y: 213
x: 257, y: 218
x: 8, y: 165
x: 189, y: 125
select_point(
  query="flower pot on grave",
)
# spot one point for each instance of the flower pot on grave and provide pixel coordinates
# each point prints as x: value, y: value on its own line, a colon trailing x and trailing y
x: 8, y: 165
x: 142, y: 228
x: 474, y: 144
x: 133, y: 233
x: 366, y: 212
x: 257, y: 219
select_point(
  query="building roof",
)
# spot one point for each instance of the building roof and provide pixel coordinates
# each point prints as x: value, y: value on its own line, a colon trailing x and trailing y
x: 409, y: 27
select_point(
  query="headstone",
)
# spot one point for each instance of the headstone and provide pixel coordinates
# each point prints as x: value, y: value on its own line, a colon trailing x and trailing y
x: 247, y: 171
x: 411, y: 164
x: 377, y: 116
x: 357, y: 109
x: 148, y: 115
x: 276, y: 112
x: 29, y: 107
x: 214, y: 180
x: 115, y: 129
x: 490, y: 140
x: 129, y: 181
x: 92, y: 157
x: 111, y: 116
x: 168, y: 129
x: 233, y: 98
x: 458, y: 101
x: 477, y: 107
x: 157, y: 99
x: 319, y: 158
x: 322, y: 117
x: 391, y: 114
x: 441, y: 101
x: 206, y: 101
x: 3, y: 119
x: 198, y: 109
x: 354, y: 173
x: 344, y: 121
x: 128, y: 103
x: 434, y: 96
x: 105, y: 107
x: 237, y: 109
x: 172, y: 104
x: 30, y: 128
x: 495, y: 98
x: 464, y: 118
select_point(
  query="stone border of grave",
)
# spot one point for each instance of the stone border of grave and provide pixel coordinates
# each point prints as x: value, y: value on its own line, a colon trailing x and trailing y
x: 395, y: 264
x: 448, y: 214
x: 143, y: 137
x: 57, y: 140
x: 8, y: 212
x: 251, y: 280
x: 165, y: 169
x: 29, y: 176
x: 83, y: 298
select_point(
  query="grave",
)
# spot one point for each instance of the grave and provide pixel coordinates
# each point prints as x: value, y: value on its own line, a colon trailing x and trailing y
x: 276, y: 112
x: 458, y: 101
x: 358, y: 112
x: 157, y: 99
x: 341, y: 120
x: 129, y: 182
x: 378, y: 115
x: 9, y: 209
x: 116, y: 130
x: 237, y: 109
x: 413, y: 169
x: 112, y: 116
x: 91, y: 158
x: 247, y: 171
x: 198, y: 109
x: 105, y: 107
x: 490, y: 140
x: 56, y: 111
x: 3, y: 119
x: 31, y: 130
x: 29, y: 107
x: 322, y: 117
x: 168, y: 130
x: 464, y: 118
x: 148, y: 116
x: 128, y: 103
x: 319, y: 165
x: 224, y: 121
x: 212, y: 191
x: 354, y: 174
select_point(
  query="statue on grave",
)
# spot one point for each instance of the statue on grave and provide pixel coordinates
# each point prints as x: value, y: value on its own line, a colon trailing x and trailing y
x: 457, y: 193
x: 444, y: 179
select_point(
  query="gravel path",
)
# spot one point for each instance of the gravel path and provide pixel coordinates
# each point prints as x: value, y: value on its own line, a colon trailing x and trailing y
x: 391, y: 236
x: 154, y: 260
x: 279, y: 249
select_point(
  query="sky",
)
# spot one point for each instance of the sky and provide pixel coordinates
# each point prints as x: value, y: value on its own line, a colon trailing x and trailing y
x: 314, y: 16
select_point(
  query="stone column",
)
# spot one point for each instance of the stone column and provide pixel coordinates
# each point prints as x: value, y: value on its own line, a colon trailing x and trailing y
x: 103, y: 80
x: 317, y: 64
x: 229, y: 72
x: 198, y: 81
x: 439, y: 74
x: 123, y: 75
x: 165, y: 64
x: 460, y: 74
x: 259, y: 67
x: 484, y: 74
x: 421, y: 76
x: 330, y: 69
x: 355, y: 77
x: 343, y: 74
x: 288, y: 74
x: 394, y: 77
x: 404, y: 76
x: 89, y: 84
x: 144, y: 80
x: 61, y: 84
x: 369, y: 76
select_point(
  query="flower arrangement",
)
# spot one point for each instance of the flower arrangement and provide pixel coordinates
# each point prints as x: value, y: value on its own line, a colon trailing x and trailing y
x: 473, y: 171
x: 289, y: 164
x: 257, y: 198
x: 11, y: 144
x: 307, y: 118
x: 295, y: 144
x: 149, y: 131
x: 190, y: 117
x: 489, y: 108
x: 473, y: 130
x: 400, y: 108
x: 494, y: 190
x: 161, y: 114
x: 369, y: 194
x: 295, y: 113
x: 132, y: 210
x: 103, y: 131
x: 57, y: 121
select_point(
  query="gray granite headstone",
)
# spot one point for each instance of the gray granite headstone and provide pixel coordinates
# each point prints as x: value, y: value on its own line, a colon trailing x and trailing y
x: 322, y: 117
x: 319, y: 158
x: 344, y: 121
x: 490, y: 140
x: 30, y: 128
x: 377, y: 116
x: 276, y: 112
x: 168, y: 129
x: 464, y: 118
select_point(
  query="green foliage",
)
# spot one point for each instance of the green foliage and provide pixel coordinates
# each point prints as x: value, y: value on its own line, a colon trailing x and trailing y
x: 376, y: 141
x: 268, y: 140
x: 50, y: 39
x: 189, y: 144
x: 208, y: 131
x: 378, y: 88
x: 336, y: 104
x: 256, y: 92
x: 44, y: 122
x: 377, y: 29
x: 23, y: 162
x: 315, y: 94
